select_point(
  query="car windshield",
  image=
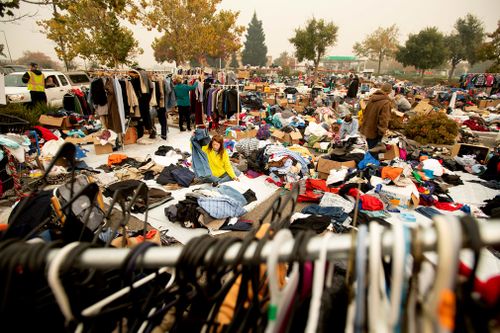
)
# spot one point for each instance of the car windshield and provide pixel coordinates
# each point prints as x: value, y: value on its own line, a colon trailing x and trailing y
x: 14, y: 80
x: 79, y: 78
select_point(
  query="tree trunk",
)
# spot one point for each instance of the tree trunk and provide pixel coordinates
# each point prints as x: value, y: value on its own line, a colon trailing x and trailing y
x: 316, y: 65
x: 450, y: 75
x: 379, y: 63
x: 61, y: 42
x: 422, y: 76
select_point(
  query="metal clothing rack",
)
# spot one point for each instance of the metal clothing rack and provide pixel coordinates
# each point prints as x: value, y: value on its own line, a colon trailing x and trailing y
x: 237, y: 86
x: 339, y: 247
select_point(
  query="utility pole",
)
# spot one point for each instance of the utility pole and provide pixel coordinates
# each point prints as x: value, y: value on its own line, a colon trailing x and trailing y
x: 7, y: 44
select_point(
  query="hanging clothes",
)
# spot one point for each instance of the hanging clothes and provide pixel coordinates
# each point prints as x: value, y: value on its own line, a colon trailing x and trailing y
x: 113, y: 118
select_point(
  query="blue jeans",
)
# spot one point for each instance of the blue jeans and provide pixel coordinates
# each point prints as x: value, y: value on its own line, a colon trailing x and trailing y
x: 222, y: 179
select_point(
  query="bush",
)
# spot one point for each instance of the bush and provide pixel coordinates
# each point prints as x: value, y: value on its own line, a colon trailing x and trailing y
x: 22, y: 111
x: 434, y: 128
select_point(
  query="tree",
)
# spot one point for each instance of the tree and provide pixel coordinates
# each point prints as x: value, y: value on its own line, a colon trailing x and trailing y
x: 312, y: 41
x: 490, y: 50
x: 379, y: 45
x: 424, y: 50
x: 255, y: 51
x: 471, y: 32
x: 284, y: 60
x: 464, y: 41
x: 91, y: 30
x: 43, y: 60
x: 191, y: 29
x: 234, y: 61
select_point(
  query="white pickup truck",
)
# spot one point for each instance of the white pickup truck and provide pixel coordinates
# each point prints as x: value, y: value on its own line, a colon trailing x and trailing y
x: 17, y: 92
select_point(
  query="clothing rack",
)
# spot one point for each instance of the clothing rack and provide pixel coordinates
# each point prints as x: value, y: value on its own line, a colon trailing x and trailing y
x: 339, y: 247
x: 237, y: 86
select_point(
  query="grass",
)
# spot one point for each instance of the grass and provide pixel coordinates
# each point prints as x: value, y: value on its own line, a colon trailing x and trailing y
x: 29, y: 114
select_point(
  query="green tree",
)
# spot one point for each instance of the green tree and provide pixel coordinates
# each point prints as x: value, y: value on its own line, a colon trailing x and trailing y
x: 471, y: 32
x: 424, y: 50
x: 379, y: 45
x: 43, y: 60
x: 191, y: 29
x: 464, y: 41
x: 91, y: 30
x: 490, y: 50
x: 234, y: 61
x: 312, y: 41
x: 284, y: 60
x: 255, y: 51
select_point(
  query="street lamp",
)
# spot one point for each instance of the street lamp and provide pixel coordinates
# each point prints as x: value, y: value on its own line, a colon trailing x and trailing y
x: 7, y: 43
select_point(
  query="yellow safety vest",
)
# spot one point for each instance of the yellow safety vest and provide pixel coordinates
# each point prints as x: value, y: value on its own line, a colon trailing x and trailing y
x: 36, y: 82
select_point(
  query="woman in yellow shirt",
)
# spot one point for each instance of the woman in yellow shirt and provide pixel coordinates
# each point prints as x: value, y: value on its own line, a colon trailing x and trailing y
x: 218, y: 161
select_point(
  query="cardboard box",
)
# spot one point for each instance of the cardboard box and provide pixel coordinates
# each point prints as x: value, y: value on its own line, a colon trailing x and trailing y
x: 240, y: 135
x: 408, y: 196
x: 250, y: 87
x: 243, y: 74
x: 60, y: 122
x: 493, y: 103
x: 483, y: 104
x: 290, y: 138
x: 391, y: 153
x: 271, y: 101
x: 283, y: 102
x: 100, y: 149
x: 324, y: 166
x: 81, y: 141
x: 461, y: 149
x: 423, y: 107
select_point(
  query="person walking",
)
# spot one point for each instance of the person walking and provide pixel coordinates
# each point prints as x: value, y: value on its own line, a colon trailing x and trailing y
x: 36, y: 84
x: 376, y: 116
x: 181, y: 91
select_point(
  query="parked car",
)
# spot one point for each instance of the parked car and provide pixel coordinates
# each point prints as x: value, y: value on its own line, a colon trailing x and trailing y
x: 56, y: 86
x: 78, y: 79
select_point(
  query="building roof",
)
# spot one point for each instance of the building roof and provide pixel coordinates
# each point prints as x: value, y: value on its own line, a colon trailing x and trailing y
x: 340, y: 58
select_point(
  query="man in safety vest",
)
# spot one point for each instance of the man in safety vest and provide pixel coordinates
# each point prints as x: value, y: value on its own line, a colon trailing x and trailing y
x: 36, y: 84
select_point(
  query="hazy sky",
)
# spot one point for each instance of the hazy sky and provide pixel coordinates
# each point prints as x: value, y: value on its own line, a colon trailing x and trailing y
x: 280, y: 17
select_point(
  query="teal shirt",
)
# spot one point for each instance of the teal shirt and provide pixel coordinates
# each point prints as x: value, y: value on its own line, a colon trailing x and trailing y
x: 182, y: 93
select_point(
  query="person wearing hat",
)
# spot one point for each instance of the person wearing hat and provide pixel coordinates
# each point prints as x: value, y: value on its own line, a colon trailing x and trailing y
x: 36, y: 84
x: 349, y: 126
x: 376, y: 116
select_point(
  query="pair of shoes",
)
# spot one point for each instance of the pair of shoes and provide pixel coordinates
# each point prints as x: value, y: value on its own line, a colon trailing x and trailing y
x: 189, y: 129
x: 214, y: 184
x: 152, y: 135
x: 183, y: 130
x: 164, y: 137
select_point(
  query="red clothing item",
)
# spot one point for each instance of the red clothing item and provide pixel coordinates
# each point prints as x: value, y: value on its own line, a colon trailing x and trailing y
x: 309, y: 196
x: 448, y: 206
x: 319, y: 184
x: 489, y: 289
x: 47, y: 135
x: 371, y: 203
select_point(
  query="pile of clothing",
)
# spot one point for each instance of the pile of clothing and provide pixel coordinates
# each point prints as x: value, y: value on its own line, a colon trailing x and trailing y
x: 215, y: 208
x: 284, y: 165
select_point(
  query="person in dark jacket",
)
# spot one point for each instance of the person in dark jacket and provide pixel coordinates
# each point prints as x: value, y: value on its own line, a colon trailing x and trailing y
x: 183, y: 103
x: 353, y: 88
x: 36, y: 84
x: 376, y: 116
